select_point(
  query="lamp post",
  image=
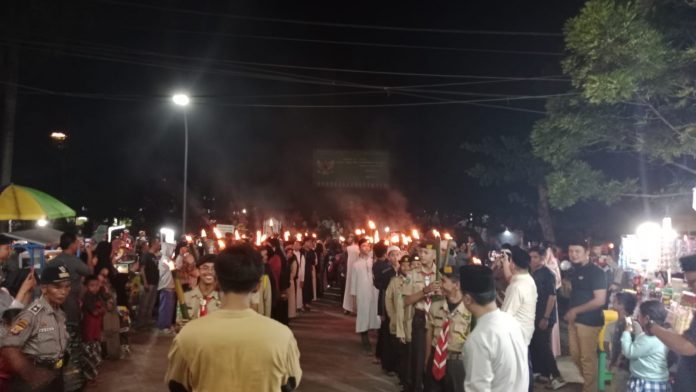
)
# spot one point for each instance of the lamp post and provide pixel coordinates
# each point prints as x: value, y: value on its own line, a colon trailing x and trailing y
x: 183, y: 101
x: 60, y: 139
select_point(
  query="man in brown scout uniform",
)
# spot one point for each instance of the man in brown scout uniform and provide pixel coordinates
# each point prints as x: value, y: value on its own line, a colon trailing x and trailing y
x: 418, y: 291
x: 400, y: 317
x: 36, y: 343
x: 204, y: 298
x: 448, y: 325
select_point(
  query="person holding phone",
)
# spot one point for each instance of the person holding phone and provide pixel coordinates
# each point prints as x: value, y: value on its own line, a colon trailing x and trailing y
x: 647, y: 355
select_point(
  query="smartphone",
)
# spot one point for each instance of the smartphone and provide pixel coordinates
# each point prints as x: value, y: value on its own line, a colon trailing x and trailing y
x: 629, y: 321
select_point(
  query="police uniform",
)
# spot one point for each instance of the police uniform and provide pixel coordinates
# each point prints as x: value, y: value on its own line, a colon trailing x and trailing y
x: 459, y: 328
x: 195, y: 301
x: 417, y: 281
x: 41, y: 334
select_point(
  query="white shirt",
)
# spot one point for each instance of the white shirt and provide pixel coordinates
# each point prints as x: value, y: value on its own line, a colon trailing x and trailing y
x: 495, y: 355
x: 166, y: 280
x: 520, y: 303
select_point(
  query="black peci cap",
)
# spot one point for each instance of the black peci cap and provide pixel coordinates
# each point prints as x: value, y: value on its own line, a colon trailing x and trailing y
x: 476, y: 279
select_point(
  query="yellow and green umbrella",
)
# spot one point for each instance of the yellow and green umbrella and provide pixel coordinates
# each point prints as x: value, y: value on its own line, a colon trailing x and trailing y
x: 23, y: 203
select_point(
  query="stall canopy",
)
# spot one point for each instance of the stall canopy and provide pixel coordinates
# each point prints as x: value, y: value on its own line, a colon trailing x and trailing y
x: 23, y: 203
x: 42, y: 236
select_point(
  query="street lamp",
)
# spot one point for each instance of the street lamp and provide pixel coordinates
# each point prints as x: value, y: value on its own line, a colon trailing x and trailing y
x: 183, y: 100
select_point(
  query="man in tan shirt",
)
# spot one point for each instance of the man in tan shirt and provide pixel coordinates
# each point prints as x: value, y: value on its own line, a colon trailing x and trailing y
x: 234, y: 348
x: 418, y: 291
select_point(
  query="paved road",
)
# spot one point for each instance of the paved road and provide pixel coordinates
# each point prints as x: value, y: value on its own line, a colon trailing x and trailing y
x: 331, y: 359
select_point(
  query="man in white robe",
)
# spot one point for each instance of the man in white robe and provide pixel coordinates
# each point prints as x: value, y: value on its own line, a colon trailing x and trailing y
x: 352, y: 251
x: 364, y: 293
x: 495, y: 353
x: 300, y: 274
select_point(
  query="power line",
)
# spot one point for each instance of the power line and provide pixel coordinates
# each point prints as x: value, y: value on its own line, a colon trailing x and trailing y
x: 304, y: 67
x: 354, y: 43
x: 333, y: 24
x: 439, y: 101
x: 512, y: 108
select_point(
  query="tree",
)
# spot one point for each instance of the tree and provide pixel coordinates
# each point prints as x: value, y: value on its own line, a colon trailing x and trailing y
x: 510, y: 162
x: 632, y: 66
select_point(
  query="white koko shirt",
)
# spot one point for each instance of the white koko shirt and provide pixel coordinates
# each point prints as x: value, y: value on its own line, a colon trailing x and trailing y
x: 520, y: 303
x: 495, y: 355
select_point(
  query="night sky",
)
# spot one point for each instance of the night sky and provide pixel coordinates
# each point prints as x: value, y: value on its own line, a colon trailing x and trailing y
x: 104, y: 71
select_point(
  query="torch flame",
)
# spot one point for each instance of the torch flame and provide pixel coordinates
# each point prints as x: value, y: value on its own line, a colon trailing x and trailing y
x: 221, y: 244
x: 376, y: 236
x: 386, y: 242
x: 243, y: 236
x: 448, y: 237
x: 170, y: 264
x: 203, y: 233
x: 270, y: 222
x: 298, y: 237
x: 286, y: 236
x: 342, y: 239
x: 395, y: 238
x: 189, y: 239
x: 358, y: 232
x: 218, y: 233
x: 258, y: 238
x: 236, y: 235
x: 371, y: 225
x: 362, y: 231
x: 314, y: 235
x: 387, y: 229
x: 404, y: 239
x: 415, y: 234
x: 436, y: 233
x: 476, y: 260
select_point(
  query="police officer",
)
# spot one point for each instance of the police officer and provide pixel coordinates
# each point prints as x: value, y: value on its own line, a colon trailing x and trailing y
x: 445, y: 367
x: 36, y: 342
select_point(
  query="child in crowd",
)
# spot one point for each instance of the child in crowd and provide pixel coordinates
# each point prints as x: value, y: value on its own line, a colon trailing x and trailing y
x: 625, y: 305
x: 93, y: 309
x: 646, y: 353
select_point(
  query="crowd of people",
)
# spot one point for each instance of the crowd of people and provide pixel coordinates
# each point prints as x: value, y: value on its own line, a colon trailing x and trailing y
x: 466, y: 326
x: 447, y: 317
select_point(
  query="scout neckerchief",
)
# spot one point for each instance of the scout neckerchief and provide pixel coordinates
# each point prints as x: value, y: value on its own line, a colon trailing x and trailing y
x: 440, y: 355
x: 203, y: 309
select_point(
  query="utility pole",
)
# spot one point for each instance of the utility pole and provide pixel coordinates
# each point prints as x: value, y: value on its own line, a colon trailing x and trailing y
x: 9, y: 65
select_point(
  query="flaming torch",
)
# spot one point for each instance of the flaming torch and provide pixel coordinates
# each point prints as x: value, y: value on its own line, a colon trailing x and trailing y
x: 395, y: 238
x: 298, y: 237
x: 258, y: 237
x: 203, y: 233
x: 415, y: 234
x: 358, y: 232
x: 371, y: 225
x: 217, y: 232
x: 179, y: 290
x: 237, y: 237
x: 342, y: 239
x: 286, y: 236
x: 221, y: 244
x: 436, y: 233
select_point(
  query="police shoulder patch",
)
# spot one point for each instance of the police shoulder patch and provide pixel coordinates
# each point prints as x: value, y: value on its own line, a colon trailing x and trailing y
x: 35, y: 309
x: 19, y: 326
